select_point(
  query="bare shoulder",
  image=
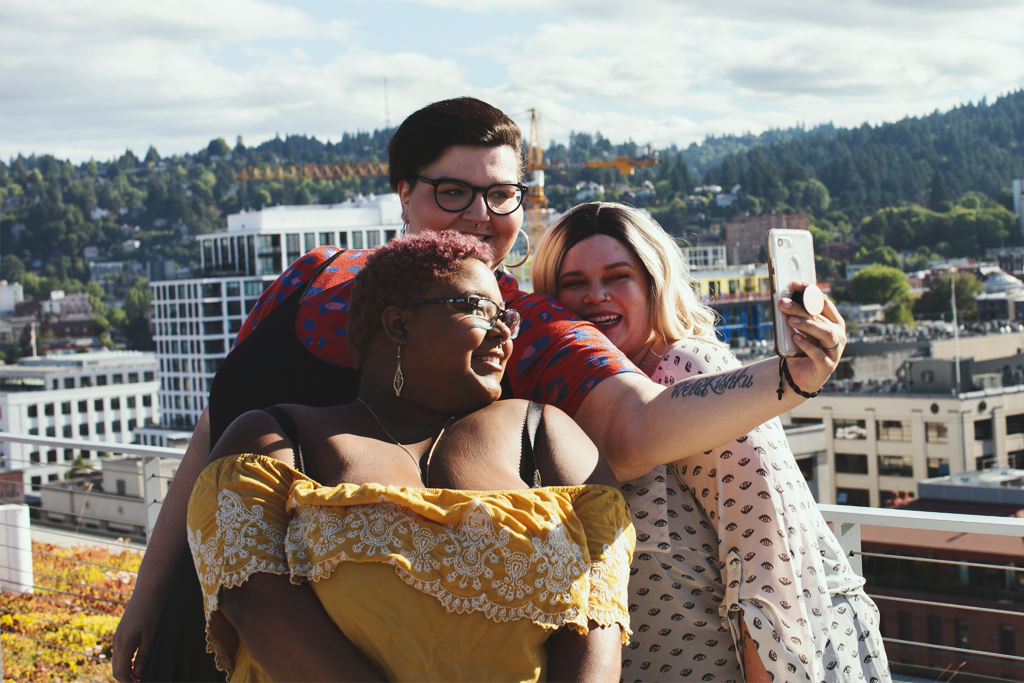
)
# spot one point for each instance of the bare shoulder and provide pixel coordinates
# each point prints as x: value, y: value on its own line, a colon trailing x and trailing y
x: 254, y: 432
x: 568, y: 454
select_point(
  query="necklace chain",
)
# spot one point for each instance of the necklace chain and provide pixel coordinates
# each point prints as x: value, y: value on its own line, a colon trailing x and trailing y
x: 397, y: 442
x: 648, y: 352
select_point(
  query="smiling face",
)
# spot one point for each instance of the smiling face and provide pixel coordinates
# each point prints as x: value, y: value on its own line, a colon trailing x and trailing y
x: 603, y: 282
x: 480, y: 167
x: 449, y: 361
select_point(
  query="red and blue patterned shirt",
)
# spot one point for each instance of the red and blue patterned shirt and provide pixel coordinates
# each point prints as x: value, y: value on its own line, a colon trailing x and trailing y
x: 556, y: 359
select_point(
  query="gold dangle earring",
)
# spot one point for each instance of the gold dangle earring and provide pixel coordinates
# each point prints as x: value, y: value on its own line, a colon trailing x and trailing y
x: 399, y: 378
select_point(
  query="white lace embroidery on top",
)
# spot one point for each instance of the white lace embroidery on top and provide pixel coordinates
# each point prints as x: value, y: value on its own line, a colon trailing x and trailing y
x: 609, y: 578
x: 241, y: 529
x: 469, y: 566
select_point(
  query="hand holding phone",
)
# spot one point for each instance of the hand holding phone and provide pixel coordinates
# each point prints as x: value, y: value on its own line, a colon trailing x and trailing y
x: 790, y: 259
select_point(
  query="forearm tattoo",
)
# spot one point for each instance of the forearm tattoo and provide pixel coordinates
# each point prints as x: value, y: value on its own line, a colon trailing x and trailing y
x: 715, y: 384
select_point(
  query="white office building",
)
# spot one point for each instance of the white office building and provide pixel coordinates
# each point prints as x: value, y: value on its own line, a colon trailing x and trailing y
x: 98, y: 396
x: 710, y: 257
x: 198, y: 318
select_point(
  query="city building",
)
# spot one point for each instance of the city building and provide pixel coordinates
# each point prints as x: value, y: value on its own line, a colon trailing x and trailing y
x: 197, y: 318
x: 742, y: 297
x: 111, y: 501
x: 165, y: 437
x: 710, y: 257
x: 1003, y: 298
x: 744, y: 236
x: 838, y: 251
x: 885, y: 436
x: 1010, y: 259
x: 96, y: 396
x: 10, y: 294
x: 861, y: 314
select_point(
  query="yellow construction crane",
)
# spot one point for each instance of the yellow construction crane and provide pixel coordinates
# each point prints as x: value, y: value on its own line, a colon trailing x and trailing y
x: 536, y: 202
x: 314, y: 171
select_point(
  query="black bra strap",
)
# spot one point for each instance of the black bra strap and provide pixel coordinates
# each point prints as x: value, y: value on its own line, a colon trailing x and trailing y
x: 318, y: 271
x: 291, y: 430
x: 528, y: 461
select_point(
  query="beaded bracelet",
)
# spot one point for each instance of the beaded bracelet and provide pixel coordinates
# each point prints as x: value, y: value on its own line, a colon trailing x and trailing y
x: 784, y: 372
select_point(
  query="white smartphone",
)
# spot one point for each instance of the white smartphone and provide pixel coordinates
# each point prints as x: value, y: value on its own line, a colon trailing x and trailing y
x: 790, y: 257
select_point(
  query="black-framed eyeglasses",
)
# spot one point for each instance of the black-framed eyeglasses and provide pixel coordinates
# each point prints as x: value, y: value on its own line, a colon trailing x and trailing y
x: 456, y: 195
x: 486, y: 313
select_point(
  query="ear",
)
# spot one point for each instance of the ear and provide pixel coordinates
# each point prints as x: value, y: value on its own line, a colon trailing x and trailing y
x: 394, y: 320
x: 404, y: 193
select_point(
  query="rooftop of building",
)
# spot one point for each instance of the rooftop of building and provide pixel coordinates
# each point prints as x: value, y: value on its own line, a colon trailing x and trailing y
x: 79, y: 362
x: 1000, y: 477
x: 362, y: 211
x: 993, y: 486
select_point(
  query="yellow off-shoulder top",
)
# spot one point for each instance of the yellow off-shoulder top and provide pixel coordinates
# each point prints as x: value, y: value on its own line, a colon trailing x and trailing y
x: 429, y: 584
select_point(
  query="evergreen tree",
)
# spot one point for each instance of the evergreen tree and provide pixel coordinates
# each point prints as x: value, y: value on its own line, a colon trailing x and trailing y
x: 682, y: 179
x: 938, y: 192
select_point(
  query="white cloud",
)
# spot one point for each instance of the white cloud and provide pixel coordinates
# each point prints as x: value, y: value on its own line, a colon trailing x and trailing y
x: 84, y: 78
x: 97, y: 82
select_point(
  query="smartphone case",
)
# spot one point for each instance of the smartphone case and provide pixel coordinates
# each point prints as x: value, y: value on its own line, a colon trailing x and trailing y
x: 790, y: 257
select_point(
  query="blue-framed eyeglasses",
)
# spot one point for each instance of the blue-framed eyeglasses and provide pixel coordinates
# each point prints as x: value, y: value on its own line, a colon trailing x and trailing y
x: 486, y: 313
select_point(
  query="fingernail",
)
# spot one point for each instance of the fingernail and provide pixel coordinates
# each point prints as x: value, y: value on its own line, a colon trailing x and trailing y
x: 793, y: 320
x: 798, y: 337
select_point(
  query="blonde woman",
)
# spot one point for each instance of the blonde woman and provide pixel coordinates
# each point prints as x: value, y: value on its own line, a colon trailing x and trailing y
x: 735, y: 576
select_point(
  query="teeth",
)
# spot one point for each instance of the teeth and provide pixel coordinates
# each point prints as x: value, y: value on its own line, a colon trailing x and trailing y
x: 604, y: 319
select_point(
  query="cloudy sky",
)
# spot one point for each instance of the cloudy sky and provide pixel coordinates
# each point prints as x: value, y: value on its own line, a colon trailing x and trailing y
x: 88, y: 78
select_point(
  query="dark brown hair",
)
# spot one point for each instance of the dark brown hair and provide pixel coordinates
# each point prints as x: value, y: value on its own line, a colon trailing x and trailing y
x: 425, y: 135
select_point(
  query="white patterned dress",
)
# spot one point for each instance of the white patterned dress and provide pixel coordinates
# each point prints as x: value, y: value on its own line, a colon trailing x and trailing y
x: 734, y: 534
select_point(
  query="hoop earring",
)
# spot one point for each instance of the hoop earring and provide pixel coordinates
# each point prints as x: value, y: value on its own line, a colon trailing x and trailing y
x: 405, y: 229
x: 525, y: 258
x: 399, y: 377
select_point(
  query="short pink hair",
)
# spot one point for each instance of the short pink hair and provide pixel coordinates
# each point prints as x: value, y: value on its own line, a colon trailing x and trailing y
x: 403, y: 270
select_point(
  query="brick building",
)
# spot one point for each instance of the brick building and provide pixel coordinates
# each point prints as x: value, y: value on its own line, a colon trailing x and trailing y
x: 968, y: 594
x: 744, y: 236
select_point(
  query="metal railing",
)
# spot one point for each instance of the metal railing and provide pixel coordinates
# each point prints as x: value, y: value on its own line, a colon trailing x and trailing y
x: 60, y: 605
x: 151, y: 498
x: 847, y: 522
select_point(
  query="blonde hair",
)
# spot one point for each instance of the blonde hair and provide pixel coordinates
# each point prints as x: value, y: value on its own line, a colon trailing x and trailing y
x: 674, y: 310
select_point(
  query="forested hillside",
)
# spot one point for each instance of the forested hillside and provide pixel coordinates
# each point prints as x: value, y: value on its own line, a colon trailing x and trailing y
x: 972, y: 148
x: 132, y: 209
